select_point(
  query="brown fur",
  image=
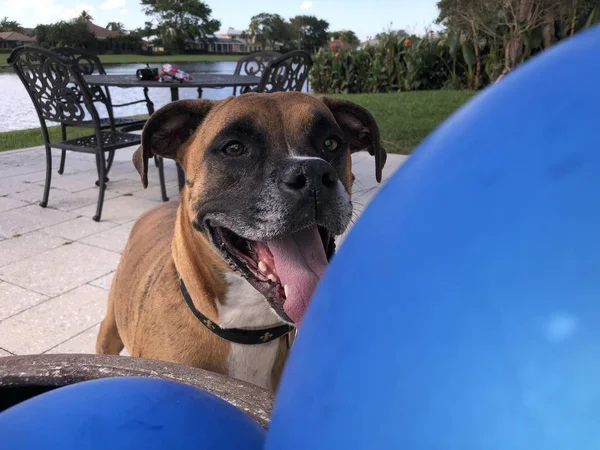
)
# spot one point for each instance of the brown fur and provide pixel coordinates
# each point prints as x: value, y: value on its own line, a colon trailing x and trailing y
x: 145, y: 311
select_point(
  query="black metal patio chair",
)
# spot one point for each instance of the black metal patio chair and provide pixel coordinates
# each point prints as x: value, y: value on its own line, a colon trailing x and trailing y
x: 253, y: 64
x: 89, y: 64
x: 289, y: 72
x: 60, y: 94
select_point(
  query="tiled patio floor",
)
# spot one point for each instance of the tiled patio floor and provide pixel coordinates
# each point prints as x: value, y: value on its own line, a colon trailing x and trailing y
x: 56, y: 264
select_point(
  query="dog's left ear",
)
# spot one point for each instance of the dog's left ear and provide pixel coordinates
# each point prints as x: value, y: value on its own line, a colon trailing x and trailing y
x: 360, y: 128
x: 167, y: 130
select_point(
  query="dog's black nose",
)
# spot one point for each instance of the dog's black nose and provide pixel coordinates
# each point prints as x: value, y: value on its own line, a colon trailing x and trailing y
x: 301, y: 176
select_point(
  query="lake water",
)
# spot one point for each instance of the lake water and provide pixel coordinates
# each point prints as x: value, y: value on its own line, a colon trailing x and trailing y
x: 17, y: 111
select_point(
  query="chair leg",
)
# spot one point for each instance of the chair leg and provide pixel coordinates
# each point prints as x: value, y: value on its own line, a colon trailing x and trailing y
x: 161, y: 176
x: 63, y: 153
x: 156, y: 163
x: 111, y: 158
x: 44, y: 201
x: 63, y: 156
x: 109, y: 163
x: 149, y: 104
x: 101, y: 166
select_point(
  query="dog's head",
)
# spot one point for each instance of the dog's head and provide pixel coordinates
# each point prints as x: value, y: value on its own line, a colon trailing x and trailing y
x: 268, y: 182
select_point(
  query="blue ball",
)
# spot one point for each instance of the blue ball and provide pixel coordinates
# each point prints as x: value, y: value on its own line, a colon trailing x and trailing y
x: 463, y: 310
x: 128, y: 413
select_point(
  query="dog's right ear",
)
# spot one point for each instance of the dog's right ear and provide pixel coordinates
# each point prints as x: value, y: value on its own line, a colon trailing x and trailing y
x: 167, y: 130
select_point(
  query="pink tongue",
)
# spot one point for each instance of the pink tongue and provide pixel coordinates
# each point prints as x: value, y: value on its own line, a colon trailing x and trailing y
x: 300, y: 262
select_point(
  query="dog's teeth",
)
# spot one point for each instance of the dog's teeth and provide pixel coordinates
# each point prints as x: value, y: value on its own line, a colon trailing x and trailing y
x: 272, y: 277
x: 262, y: 266
x: 285, y: 290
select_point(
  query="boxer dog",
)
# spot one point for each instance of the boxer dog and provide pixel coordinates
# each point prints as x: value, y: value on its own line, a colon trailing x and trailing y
x: 218, y: 280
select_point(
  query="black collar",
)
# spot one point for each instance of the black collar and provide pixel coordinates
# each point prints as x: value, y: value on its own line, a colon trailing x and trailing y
x: 237, y: 335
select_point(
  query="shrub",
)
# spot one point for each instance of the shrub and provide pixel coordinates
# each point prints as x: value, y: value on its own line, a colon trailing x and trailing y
x: 396, y: 64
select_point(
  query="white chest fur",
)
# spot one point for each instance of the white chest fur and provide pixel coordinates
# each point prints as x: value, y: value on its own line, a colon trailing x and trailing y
x: 245, y: 307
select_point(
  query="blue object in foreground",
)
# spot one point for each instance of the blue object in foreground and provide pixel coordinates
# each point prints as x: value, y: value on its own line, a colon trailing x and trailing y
x: 463, y: 310
x: 128, y: 413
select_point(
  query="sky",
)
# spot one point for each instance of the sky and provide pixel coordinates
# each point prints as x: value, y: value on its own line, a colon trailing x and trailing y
x: 365, y: 17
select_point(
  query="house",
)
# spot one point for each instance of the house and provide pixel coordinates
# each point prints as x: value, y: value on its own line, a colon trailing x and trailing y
x: 149, y: 44
x: 369, y: 43
x: 13, y: 39
x: 100, y: 32
x: 230, y: 41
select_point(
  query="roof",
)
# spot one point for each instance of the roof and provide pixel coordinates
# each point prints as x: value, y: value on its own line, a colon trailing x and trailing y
x: 370, y: 42
x: 233, y: 32
x: 15, y: 36
x: 101, y: 32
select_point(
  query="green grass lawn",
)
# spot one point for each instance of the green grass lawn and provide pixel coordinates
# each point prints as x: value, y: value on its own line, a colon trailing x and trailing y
x: 404, y: 119
x: 152, y: 59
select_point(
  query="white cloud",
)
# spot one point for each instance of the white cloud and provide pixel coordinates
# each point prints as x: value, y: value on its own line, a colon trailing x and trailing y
x: 112, y: 4
x: 123, y: 11
x: 48, y: 11
x: 306, y: 5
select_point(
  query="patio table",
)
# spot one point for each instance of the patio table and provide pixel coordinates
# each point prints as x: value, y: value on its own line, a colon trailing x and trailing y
x: 200, y: 81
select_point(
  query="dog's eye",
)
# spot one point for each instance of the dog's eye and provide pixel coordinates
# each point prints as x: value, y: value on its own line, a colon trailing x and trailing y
x: 331, y: 144
x: 234, y: 149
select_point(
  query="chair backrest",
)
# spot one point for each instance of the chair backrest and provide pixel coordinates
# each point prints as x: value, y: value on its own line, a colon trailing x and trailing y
x: 87, y: 63
x: 289, y: 72
x: 254, y: 64
x: 56, y: 87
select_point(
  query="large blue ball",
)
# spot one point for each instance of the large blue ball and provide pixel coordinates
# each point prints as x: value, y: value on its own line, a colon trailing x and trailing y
x: 128, y: 413
x: 463, y: 311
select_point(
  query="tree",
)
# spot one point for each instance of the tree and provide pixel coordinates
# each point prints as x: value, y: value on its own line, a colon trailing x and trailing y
x: 310, y: 33
x: 10, y: 25
x: 399, y: 34
x: 85, y: 16
x: 521, y: 27
x: 269, y: 29
x: 469, y: 21
x: 116, y: 26
x: 348, y: 37
x: 73, y: 34
x: 181, y: 20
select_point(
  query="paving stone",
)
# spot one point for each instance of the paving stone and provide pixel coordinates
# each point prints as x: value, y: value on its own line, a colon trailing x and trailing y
x: 80, y: 199
x: 14, y: 299
x: 22, y: 247
x: 79, y: 228
x: 84, y: 342
x: 30, y: 218
x: 34, y: 192
x: 53, y: 322
x: 125, y: 186
x: 113, y: 239
x: 75, y: 182
x: 170, y: 173
x: 15, y: 170
x: 60, y: 270
x: 103, y: 282
x: 120, y: 210
x: 10, y: 185
x: 7, y: 204
x: 365, y: 185
x: 153, y: 191
x: 32, y: 177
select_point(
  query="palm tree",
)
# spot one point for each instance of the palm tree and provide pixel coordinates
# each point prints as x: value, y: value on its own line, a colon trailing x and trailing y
x: 116, y: 26
x: 85, y: 16
x: 10, y: 25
